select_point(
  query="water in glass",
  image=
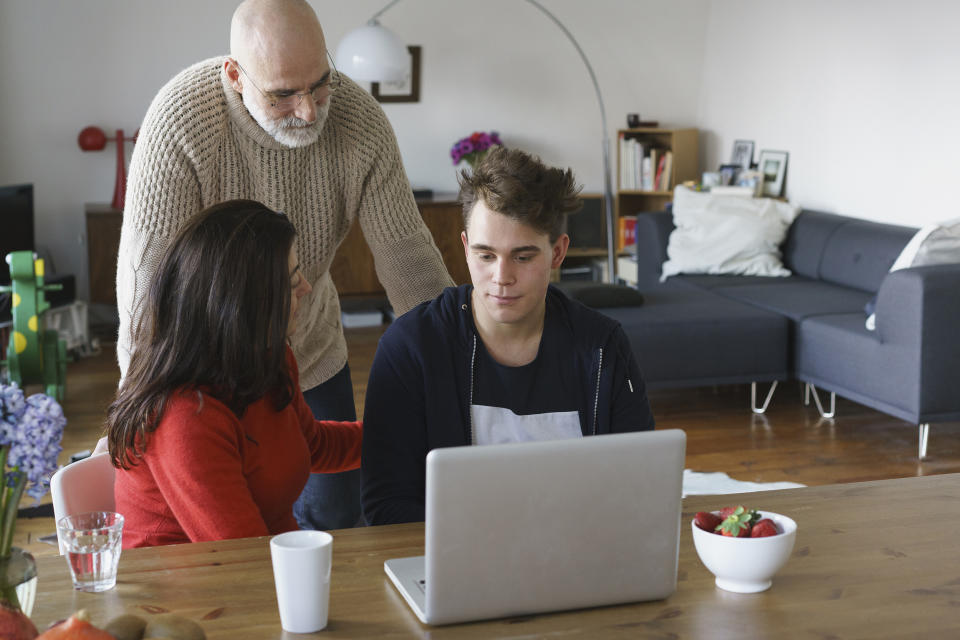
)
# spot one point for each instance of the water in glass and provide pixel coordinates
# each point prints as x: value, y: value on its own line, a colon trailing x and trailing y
x: 92, y: 547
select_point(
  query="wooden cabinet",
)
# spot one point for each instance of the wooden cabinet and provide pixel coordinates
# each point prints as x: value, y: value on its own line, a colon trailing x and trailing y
x: 444, y: 218
x: 353, y: 271
x: 682, y: 143
x: 103, y: 246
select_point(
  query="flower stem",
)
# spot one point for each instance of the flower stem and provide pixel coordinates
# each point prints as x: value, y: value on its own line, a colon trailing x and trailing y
x: 4, y: 496
x: 11, y: 502
x: 8, y: 594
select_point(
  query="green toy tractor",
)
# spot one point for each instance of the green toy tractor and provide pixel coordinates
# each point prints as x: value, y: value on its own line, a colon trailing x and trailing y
x: 34, y: 355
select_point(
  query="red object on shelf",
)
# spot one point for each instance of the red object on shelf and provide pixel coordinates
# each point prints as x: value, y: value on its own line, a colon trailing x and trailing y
x: 627, y: 231
x: 120, y: 184
x: 94, y: 139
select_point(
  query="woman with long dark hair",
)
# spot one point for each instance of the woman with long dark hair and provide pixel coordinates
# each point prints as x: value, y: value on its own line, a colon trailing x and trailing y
x: 209, y: 431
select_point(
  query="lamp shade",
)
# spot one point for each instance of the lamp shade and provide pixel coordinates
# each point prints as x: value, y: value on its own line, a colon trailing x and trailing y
x: 373, y: 53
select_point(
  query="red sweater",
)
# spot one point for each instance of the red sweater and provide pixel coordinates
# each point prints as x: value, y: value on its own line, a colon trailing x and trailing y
x: 208, y: 476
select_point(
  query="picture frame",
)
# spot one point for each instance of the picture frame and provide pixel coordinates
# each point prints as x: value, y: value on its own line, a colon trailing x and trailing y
x: 729, y: 173
x: 742, y: 154
x: 408, y: 89
x: 773, y: 166
x: 752, y: 179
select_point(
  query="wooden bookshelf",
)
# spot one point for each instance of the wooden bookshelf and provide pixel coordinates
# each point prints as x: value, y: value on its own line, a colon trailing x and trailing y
x: 684, y: 146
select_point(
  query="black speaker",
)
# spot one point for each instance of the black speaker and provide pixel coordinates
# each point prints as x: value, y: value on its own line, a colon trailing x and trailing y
x: 587, y: 228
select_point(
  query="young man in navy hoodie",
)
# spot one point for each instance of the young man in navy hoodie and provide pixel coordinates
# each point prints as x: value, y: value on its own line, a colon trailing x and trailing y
x: 508, y: 358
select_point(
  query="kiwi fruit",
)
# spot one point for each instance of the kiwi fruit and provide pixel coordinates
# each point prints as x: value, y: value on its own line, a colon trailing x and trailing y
x: 173, y: 627
x: 126, y: 627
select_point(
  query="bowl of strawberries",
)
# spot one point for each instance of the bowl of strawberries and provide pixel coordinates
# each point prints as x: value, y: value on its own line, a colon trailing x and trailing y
x: 743, y: 547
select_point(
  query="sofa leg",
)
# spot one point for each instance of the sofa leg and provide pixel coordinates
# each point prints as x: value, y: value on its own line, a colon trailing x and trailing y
x: 806, y: 394
x: 816, y: 400
x: 753, y: 397
x: 924, y: 436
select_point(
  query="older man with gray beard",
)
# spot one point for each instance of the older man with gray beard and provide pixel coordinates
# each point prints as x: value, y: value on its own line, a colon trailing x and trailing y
x: 275, y: 122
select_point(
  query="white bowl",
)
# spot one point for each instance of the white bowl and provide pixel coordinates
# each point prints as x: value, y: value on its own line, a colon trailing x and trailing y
x: 746, y: 565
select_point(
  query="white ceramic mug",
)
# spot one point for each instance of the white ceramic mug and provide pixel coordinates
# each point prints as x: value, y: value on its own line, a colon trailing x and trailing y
x: 301, y: 572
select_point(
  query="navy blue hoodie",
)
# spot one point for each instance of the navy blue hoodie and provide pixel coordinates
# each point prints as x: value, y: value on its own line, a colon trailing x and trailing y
x: 418, y: 393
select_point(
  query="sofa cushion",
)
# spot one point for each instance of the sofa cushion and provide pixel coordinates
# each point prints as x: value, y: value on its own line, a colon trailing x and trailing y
x: 600, y: 294
x: 937, y: 243
x: 710, y: 282
x: 799, y: 299
x: 806, y: 241
x: 687, y: 337
x: 727, y: 234
x: 859, y: 253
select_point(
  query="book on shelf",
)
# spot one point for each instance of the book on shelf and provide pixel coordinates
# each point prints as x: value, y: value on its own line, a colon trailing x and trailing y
x: 650, y: 184
x: 628, y: 167
x: 658, y: 180
x: 638, y: 150
x: 626, y: 231
x: 644, y: 167
x: 667, y: 170
x: 624, y: 169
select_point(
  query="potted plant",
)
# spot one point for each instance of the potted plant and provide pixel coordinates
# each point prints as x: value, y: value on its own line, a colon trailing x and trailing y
x: 474, y: 147
x: 30, y: 433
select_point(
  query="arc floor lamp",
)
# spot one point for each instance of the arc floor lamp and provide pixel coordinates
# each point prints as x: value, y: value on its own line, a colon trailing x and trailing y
x: 373, y: 53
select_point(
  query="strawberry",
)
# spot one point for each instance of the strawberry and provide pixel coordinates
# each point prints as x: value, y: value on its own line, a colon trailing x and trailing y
x: 726, y: 511
x: 764, y: 528
x: 707, y: 521
x: 739, y: 523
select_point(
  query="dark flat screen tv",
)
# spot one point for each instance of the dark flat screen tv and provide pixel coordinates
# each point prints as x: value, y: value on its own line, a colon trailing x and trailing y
x: 16, y: 232
x: 16, y: 223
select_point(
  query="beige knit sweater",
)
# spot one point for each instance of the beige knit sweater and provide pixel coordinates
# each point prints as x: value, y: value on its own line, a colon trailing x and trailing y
x: 198, y: 146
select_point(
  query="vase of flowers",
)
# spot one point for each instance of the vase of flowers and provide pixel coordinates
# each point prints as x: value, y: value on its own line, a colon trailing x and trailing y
x: 474, y: 147
x: 30, y: 433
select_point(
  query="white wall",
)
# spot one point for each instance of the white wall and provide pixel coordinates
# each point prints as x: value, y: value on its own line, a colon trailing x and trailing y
x: 503, y: 65
x: 863, y: 94
x: 66, y: 65
x: 498, y: 64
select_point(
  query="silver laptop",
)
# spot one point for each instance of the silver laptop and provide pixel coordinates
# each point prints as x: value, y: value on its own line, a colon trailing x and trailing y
x: 525, y: 528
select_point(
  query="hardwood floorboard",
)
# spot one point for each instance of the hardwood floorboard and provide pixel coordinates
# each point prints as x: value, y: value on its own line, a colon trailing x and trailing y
x: 790, y: 442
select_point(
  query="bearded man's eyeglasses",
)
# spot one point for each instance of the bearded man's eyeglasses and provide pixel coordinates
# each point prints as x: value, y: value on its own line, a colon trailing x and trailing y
x: 290, y: 100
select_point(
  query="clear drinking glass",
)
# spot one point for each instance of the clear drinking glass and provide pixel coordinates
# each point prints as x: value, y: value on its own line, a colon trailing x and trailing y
x: 92, y: 548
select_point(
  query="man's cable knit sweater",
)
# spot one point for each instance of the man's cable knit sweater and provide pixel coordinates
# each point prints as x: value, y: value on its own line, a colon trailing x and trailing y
x: 198, y: 146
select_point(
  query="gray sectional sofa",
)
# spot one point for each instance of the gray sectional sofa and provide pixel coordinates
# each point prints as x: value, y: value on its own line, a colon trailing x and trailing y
x: 695, y: 330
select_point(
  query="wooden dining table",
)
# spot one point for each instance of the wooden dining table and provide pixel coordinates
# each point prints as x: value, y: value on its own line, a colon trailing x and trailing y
x: 872, y: 560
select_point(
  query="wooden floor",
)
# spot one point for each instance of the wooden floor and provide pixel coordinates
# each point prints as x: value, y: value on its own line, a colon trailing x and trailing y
x: 789, y: 442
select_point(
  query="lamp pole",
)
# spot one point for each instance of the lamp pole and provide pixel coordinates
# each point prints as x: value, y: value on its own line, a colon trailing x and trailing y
x: 605, y: 141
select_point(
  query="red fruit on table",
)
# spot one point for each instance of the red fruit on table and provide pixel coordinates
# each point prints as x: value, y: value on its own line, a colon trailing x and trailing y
x: 707, y: 521
x: 76, y: 627
x: 764, y: 528
x: 739, y: 523
x: 15, y: 625
x: 726, y: 511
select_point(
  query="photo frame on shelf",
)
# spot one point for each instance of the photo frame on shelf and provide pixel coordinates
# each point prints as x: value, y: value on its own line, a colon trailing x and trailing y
x: 773, y: 166
x: 753, y: 180
x: 742, y: 154
x: 408, y: 89
x: 729, y: 173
